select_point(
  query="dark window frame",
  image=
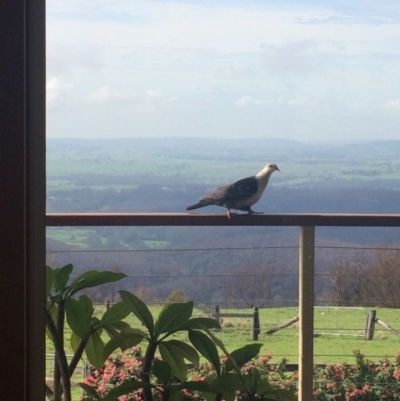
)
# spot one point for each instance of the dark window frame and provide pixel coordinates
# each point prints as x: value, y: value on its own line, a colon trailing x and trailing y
x: 22, y: 199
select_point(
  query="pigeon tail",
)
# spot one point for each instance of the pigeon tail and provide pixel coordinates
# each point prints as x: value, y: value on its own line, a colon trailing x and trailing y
x: 198, y: 205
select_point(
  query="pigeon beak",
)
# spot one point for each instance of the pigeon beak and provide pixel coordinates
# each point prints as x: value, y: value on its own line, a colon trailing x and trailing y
x: 277, y: 168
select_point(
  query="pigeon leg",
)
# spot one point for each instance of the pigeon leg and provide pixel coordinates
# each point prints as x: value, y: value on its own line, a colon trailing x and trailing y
x: 230, y: 213
x: 249, y: 210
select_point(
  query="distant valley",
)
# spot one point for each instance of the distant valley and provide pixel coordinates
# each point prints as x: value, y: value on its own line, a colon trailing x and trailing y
x: 167, y: 174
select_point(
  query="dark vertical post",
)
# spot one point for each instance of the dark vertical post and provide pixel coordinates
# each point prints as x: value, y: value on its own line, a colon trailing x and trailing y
x: 370, y: 326
x: 256, y: 324
x: 108, y: 304
x: 217, y: 314
x: 22, y: 201
x: 306, y: 312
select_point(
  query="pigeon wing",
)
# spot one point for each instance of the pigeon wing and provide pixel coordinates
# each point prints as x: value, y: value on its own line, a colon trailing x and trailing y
x: 240, y: 190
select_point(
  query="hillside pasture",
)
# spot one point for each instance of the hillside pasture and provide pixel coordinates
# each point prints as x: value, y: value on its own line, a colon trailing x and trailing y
x: 338, y: 333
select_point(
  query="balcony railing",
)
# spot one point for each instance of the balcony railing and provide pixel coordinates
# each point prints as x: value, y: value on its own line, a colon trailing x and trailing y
x: 306, y: 223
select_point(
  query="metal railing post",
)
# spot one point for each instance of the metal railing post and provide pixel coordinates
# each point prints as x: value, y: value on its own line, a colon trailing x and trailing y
x: 306, y: 312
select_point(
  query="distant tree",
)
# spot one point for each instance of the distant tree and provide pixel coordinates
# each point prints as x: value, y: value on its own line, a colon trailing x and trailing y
x: 384, y: 283
x: 252, y: 284
x: 144, y: 293
x: 348, y: 283
x: 373, y: 283
x: 111, y: 287
x: 176, y: 296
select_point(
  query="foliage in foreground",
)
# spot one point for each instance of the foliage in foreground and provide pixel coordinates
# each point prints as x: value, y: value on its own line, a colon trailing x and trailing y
x: 63, y: 304
x: 164, y: 377
x: 363, y: 381
x: 167, y: 377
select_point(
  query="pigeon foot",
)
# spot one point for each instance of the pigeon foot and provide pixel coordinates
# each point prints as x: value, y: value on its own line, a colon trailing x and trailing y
x: 254, y: 212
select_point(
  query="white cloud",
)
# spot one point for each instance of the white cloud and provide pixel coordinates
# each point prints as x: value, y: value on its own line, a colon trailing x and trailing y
x: 304, y: 103
x: 149, y: 100
x: 249, y: 100
x: 145, y: 101
x: 217, y: 64
x: 392, y: 106
x: 57, y: 92
x: 106, y: 96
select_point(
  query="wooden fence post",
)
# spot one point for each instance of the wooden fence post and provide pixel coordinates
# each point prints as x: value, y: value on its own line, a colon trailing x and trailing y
x: 370, y: 327
x: 306, y: 312
x: 217, y: 314
x: 108, y: 305
x: 256, y: 324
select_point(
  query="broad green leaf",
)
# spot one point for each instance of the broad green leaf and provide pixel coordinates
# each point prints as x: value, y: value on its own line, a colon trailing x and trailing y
x: 186, y: 350
x: 162, y: 371
x: 211, y: 395
x: 95, y: 323
x: 49, y: 280
x: 113, y: 332
x: 95, y: 350
x: 123, y: 341
x: 229, y: 395
x: 90, y: 390
x: 228, y: 382
x: 175, y: 395
x: 222, y: 346
x: 281, y: 394
x: 61, y: 277
x: 78, y: 318
x: 242, y: 355
x: 206, y: 347
x: 139, y: 309
x: 120, y: 325
x: 203, y: 386
x: 174, y: 359
x: 263, y: 387
x: 87, y: 302
x: 110, y: 330
x: 201, y: 323
x: 93, y: 278
x: 115, y: 314
x: 74, y: 341
x: 173, y: 317
x: 125, y: 388
x: 253, y: 378
x: 138, y: 332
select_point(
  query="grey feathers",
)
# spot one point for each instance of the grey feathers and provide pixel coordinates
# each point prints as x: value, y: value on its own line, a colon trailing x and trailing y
x: 240, y: 195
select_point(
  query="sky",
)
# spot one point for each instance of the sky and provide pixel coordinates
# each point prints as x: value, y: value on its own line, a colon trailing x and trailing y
x: 306, y: 71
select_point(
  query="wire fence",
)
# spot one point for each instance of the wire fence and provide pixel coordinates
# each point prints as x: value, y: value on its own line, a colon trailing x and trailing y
x: 238, y: 279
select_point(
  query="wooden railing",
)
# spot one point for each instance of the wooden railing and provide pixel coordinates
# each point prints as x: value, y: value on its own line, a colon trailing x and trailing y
x: 307, y: 224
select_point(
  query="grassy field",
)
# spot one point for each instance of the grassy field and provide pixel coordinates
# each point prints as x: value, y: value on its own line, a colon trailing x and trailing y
x: 338, y: 333
x: 69, y: 235
x: 64, y: 165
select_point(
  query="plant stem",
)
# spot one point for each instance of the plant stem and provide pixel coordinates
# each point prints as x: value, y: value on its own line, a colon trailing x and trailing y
x: 77, y: 357
x: 61, y: 358
x: 145, y: 374
x: 218, y: 397
x: 166, y: 394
